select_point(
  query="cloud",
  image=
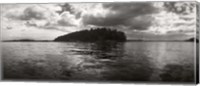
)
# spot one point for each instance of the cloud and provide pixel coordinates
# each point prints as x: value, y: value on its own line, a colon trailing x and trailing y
x: 149, y: 19
x: 174, y: 17
x: 30, y: 11
x: 35, y: 12
x: 180, y: 7
x: 140, y: 22
x: 183, y: 24
x: 35, y: 21
x: 40, y: 16
x: 132, y: 15
x: 67, y: 19
x: 65, y: 7
x: 186, y: 18
x: 69, y: 8
x: 9, y: 28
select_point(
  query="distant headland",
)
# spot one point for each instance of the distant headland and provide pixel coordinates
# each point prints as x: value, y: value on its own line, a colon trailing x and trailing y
x: 93, y: 35
x: 193, y: 40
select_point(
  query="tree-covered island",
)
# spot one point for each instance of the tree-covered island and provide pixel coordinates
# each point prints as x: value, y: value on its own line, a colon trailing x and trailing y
x: 93, y: 35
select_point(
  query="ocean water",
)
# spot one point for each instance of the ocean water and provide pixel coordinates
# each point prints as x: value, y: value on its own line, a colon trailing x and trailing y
x: 106, y: 62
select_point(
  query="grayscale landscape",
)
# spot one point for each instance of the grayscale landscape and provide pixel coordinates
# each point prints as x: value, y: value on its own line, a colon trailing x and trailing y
x: 99, y: 42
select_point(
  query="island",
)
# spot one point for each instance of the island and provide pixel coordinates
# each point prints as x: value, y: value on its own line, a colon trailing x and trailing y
x: 93, y: 35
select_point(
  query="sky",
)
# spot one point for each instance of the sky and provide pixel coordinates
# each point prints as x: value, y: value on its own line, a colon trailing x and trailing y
x: 138, y: 20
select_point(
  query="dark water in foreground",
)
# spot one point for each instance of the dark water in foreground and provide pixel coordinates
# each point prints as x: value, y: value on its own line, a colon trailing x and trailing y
x: 130, y: 61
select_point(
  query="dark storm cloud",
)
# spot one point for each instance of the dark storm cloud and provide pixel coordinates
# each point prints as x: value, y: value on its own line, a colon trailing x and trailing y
x: 179, y: 7
x: 131, y: 15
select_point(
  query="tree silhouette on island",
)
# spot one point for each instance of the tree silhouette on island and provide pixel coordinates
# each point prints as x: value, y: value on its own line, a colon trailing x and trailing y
x: 93, y: 35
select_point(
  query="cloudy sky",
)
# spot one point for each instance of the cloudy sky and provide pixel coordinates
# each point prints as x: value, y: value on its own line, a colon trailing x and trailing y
x: 144, y: 20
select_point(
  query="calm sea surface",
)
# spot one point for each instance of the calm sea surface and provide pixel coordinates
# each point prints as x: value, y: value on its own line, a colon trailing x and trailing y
x: 70, y: 61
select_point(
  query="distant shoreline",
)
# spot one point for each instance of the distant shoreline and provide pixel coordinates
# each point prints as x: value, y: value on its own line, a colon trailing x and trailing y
x: 27, y: 41
x: 159, y: 41
x: 125, y: 41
